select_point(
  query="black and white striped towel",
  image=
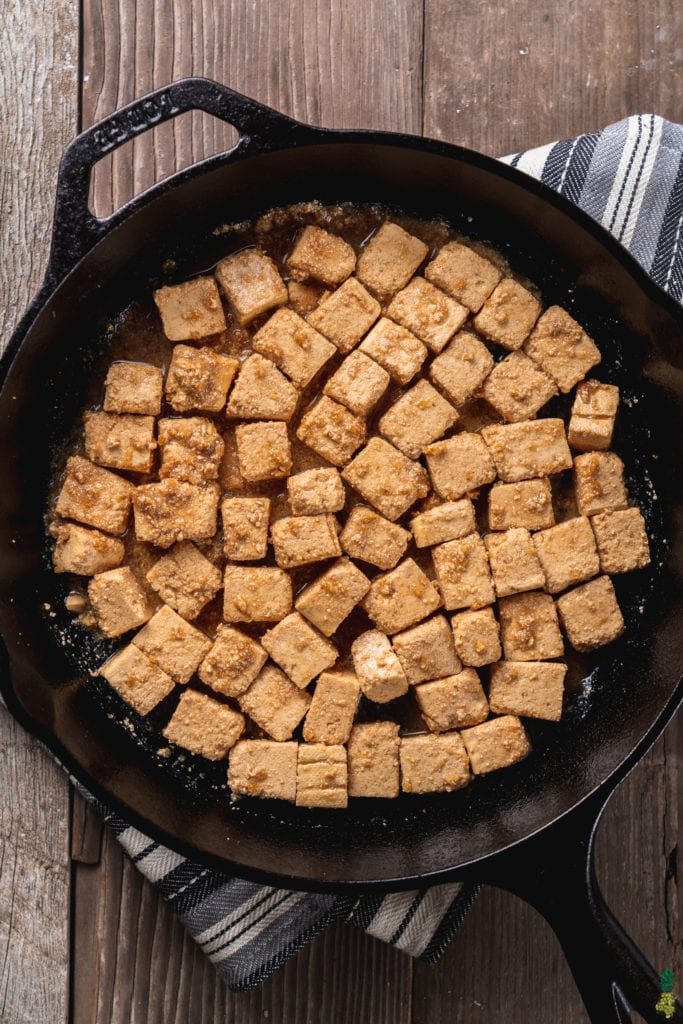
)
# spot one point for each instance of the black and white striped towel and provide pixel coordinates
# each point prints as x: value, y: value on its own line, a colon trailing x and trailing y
x: 629, y: 177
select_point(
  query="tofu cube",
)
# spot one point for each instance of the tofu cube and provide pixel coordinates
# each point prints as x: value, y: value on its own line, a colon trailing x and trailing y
x: 332, y: 597
x: 386, y: 478
x: 120, y: 441
x: 258, y: 594
x: 622, y: 541
x: 85, y: 552
x: 389, y: 260
x: 251, y: 283
x: 293, y: 345
x: 431, y: 315
x: 514, y: 563
x: 445, y: 522
x: 191, y: 449
x: 245, y: 528
x: 233, y: 662
x: 590, y: 433
x: 498, y: 743
x: 300, y: 540
x: 590, y: 615
x: 133, y: 388
x: 522, y: 451
x: 528, y: 503
x: 508, y: 314
x: 529, y: 628
x: 333, y: 708
x: 433, y: 763
x: 517, y: 388
x: 379, y: 671
x: 261, y: 392
x: 459, y: 465
x: 332, y: 431
x: 476, y: 636
x: 199, y: 378
x: 464, y: 274
x: 316, y: 491
x: 136, y: 679
x: 426, y: 651
x: 299, y: 651
x: 190, y: 311
x: 401, y: 597
x: 172, y: 510
x: 532, y: 689
x: 204, y: 726
x: 321, y: 777
x: 319, y: 254
x: 118, y: 601
x: 359, y: 383
x: 593, y: 398
x: 419, y: 417
x: 263, y: 768
x: 263, y: 451
x: 346, y: 315
x: 396, y: 349
x: 454, y: 702
x: 461, y: 369
x: 173, y: 644
x: 372, y: 760
x: 373, y: 539
x: 562, y: 348
x: 304, y: 297
x: 275, y: 703
x: 462, y: 570
x: 185, y: 579
x: 567, y: 553
x: 599, y: 483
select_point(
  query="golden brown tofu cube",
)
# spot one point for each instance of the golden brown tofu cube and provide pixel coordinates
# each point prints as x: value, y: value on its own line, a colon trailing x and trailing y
x: 426, y: 651
x: 319, y: 254
x: 464, y: 274
x: 118, y: 601
x: 476, y: 636
x: 120, y: 441
x: 330, y: 716
x: 275, y: 703
x: 321, y: 777
x: 263, y: 451
x: 316, y: 491
x: 258, y: 594
x: 300, y: 540
x: 332, y: 431
x: 517, y: 388
x: 346, y: 315
x: 332, y: 597
x: 372, y: 759
x: 590, y: 615
x: 593, y: 398
x: 433, y: 763
x: 396, y: 349
x: 251, y: 283
x: 498, y: 743
x: 293, y: 345
x: 419, y: 417
x: 514, y: 563
x: 528, y: 503
x: 191, y: 449
x: 379, y: 671
x: 262, y: 768
x: 445, y: 522
x: 185, y: 579
x: 299, y: 651
x: 245, y: 528
x: 386, y: 478
x: 599, y: 483
x: 462, y: 368
x: 261, y: 392
x: 199, y: 378
x: 431, y: 315
x: 233, y: 662
x: 462, y: 570
x: 373, y: 539
x: 567, y: 553
x: 529, y: 628
x: 173, y: 644
x: 85, y: 552
x: 532, y: 689
x: 389, y: 260
x: 190, y: 311
x: 508, y: 314
x: 133, y: 388
x: 401, y: 597
x: 590, y: 433
x: 172, y: 510
x: 454, y: 702
x: 622, y: 541
x: 136, y: 679
x: 459, y: 465
x: 525, y: 450
x: 562, y: 348
x: 359, y: 383
x: 203, y: 726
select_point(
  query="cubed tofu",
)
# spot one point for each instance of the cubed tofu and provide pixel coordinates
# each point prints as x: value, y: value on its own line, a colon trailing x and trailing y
x: 389, y: 260
x: 464, y: 274
x: 191, y: 449
x: 204, y: 726
x: 498, y: 743
x: 133, y: 388
x: 593, y: 398
x: 459, y: 465
x: 233, y: 662
x: 263, y: 451
x: 245, y: 528
x: 396, y: 349
x: 333, y: 708
x: 251, y: 283
x: 190, y: 311
x: 316, y: 491
x: 293, y: 345
x: 261, y: 392
x: 419, y: 417
x: 590, y: 433
x: 199, y: 378
x: 461, y: 369
x: 525, y: 450
x: 622, y: 541
x: 85, y: 552
x: 433, y: 763
x: 326, y: 257
x: 256, y: 594
x: 332, y: 431
x: 173, y: 644
x: 346, y: 315
x: 120, y: 441
x: 567, y: 553
x: 599, y: 483
x: 448, y: 521
x: 136, y: 679
x: 476, y: 636
x: 528, y: 503
x: 386, y: 478
x: 401, y: 597
x: 529, y: 628
x: 299, y: 651
x: 429, y: 313
x: 321, y: 777
x: 275, y: 703
x: 508, y: 314
x: 590, y: 615
x: 532, y: 689
x: 359, y: 383
x: 118, y: 601
x: 332, y: 597
x: 372, y: 759
x: 514, y: 563
x: 373, y: 539
x: 377, y: 667
x: 462, y: 570
x: 562, y: 348
x: 185, y: 579
x: 263, y: 768
x: 303, y: 297
x: 516, y: 388
x: 300, y: 540
x: 426, y: 651
x: 171, y: 510
x: 454, y: 702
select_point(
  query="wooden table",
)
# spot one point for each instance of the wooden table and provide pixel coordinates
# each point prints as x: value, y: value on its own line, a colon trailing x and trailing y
x: 82, y: 937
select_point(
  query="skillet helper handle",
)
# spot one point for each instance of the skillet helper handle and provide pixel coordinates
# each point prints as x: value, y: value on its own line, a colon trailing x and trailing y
x: 75, y: 229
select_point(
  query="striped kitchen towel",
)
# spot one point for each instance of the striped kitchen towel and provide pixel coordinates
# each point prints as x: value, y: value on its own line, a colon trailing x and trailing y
x: 629, y: 177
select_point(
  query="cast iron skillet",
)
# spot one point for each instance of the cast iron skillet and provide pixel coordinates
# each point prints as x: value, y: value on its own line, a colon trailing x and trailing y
x: 529, y: 829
